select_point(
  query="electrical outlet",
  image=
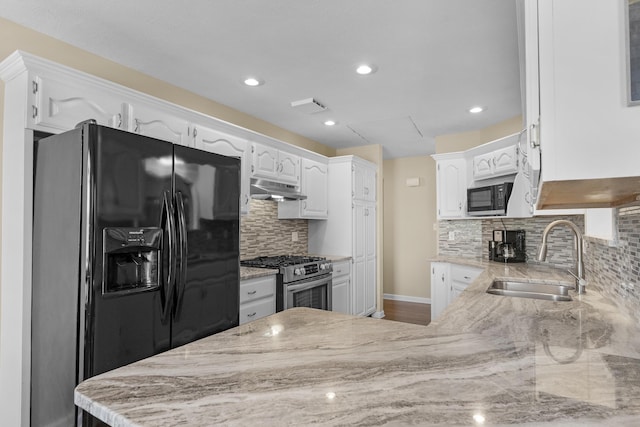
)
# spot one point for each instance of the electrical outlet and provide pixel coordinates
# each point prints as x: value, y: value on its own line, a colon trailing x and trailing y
x: 294, y: 236
x: 452, y: 235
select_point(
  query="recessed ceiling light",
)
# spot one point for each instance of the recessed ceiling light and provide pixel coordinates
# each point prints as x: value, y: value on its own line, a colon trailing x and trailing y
x: 330, y: 123
x: 476, y: 110
x: 252, y: 81
x: 365, y: 69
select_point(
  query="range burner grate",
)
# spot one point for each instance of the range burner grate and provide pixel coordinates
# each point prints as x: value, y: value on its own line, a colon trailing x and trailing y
x: 279, y: 261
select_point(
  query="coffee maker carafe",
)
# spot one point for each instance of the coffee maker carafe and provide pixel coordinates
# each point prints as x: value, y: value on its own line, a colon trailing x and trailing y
x: 508, y: 246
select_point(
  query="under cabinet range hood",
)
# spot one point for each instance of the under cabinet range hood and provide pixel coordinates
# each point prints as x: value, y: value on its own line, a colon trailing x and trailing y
x: 263, y: 189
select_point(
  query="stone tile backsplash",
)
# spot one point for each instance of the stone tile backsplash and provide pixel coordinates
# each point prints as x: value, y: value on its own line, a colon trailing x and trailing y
x: 471, y: 237
x: 615, y: 270
x: 263, y: 234
x: 612, y: 267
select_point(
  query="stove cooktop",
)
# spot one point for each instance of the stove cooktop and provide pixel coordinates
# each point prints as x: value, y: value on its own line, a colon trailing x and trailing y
x: 280, y: 261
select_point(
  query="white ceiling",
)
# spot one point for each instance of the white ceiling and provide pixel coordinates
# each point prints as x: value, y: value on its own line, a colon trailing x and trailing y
x: 434, y: 58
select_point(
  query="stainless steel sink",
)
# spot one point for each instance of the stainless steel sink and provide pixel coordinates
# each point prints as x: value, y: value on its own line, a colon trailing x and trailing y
x: 536, y: 290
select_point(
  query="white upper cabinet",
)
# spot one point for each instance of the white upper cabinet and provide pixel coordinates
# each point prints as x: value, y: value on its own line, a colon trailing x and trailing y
x: 503, y: 161
x: 60, y: 104
x: 364, y: 183
x: 451, y: 183
x: 156, y: 122
x: 588, y: 134
x: 218, y: 142
x: 271, y: 163
x: 314, y: 185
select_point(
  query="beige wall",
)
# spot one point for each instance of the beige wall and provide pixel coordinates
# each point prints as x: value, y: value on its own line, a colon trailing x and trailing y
x: 463, y: 141
x: 410, y: 212
x: 409, y: 215
x: 373, y: 153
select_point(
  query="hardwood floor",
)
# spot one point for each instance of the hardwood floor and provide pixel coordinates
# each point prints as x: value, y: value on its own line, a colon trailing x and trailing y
x: 409, y: 312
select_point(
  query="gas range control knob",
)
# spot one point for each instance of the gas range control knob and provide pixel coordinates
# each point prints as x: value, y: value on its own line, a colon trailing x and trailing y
x: 324, y: 266
x: 298, y: 272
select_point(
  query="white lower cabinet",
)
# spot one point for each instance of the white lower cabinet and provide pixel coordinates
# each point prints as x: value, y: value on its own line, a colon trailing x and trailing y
x: 447, y: 283
x: 257, y: 298
x: 341, y: 288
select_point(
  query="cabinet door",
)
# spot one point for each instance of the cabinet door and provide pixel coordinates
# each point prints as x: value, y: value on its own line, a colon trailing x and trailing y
x: 531, y: 156
x: 315, y: 187
x: 452, y: 188
x: 340, y: 301
x: 370, y: 254
x: 359, y: 259
x: 370, y: 185
x: 505, y: 161
x: 220, y: 143
x: 264, y: 161
x: 363, y: 182
x: 151, y: 121
x: 288, y: 168
x: 61, y: 105
x: 483, y: 166
x: 439, y: 288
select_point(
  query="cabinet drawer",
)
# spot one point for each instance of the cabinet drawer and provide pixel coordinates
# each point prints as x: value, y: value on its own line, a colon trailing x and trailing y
x: 257, y: 309
x: 341, y: 268
x: 464, y: 274
x: 257, y: 288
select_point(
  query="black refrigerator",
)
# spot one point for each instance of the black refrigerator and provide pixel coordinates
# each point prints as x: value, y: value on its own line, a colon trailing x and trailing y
x: 135, y: 251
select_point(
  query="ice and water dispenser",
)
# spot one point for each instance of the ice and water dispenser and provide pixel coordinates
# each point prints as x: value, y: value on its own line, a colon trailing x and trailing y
x: 131, y: 259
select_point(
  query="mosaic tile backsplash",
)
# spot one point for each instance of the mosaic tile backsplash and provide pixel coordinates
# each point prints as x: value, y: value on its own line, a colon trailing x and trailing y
x: 612, y: 267
x: 616, y: 269
x: 263, y: 234
x: 471, y: 237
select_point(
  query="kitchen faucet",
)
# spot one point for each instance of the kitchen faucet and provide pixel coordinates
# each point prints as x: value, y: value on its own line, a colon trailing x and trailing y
x: 542, y: 252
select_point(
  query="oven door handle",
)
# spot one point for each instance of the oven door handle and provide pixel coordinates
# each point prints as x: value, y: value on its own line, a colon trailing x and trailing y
x: 308, y: 285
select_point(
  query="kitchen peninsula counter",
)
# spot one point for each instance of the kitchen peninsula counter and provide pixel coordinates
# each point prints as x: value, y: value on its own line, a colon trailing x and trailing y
x: 492, y: 359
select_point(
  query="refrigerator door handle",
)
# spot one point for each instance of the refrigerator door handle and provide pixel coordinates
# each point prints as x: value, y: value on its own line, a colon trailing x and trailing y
x: 181, y: 277
x: 169, y: 285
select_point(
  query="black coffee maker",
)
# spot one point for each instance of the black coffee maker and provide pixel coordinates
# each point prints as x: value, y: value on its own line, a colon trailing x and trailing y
x: 508, y: 246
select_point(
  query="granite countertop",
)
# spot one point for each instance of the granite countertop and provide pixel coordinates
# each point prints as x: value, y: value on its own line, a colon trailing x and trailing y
x: 488, y: 359
x: 253, y: 272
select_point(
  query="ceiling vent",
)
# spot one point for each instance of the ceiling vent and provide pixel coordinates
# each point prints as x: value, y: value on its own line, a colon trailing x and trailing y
x: 308, y: 105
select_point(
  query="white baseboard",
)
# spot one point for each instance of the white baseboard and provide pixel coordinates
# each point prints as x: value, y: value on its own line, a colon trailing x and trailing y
x: 406, y: 298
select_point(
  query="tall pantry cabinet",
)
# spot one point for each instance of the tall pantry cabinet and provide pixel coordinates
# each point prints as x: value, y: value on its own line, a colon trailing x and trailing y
x: 350, y: 229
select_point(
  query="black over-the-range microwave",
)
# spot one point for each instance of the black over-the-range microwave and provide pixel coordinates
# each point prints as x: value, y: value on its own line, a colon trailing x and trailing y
x: 489, y: 200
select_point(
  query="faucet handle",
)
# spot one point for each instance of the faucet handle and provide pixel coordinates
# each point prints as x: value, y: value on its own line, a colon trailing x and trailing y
x: 581, y: 283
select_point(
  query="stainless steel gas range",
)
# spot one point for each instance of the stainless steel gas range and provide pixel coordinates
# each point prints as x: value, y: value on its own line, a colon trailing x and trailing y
x: 302, y: 281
